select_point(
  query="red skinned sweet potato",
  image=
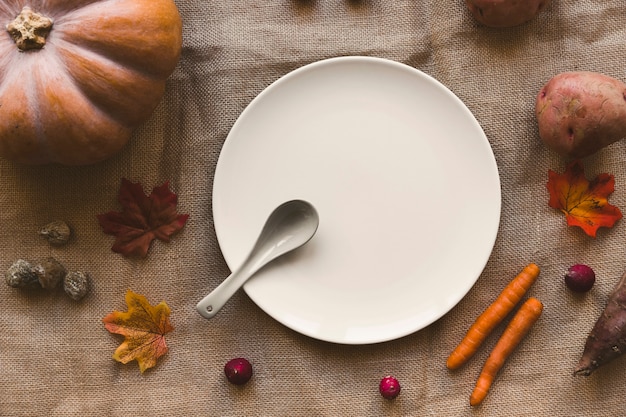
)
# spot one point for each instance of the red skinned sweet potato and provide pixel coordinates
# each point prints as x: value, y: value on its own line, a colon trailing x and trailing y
x: 581, y: 112
x: 607, y: 339
x: 505, y: 13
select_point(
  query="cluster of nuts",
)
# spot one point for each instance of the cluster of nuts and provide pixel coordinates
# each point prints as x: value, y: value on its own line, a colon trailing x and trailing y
x: 48, y: 274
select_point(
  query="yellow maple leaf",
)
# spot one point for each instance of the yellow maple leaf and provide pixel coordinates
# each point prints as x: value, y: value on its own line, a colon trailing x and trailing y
x: 144, y: 327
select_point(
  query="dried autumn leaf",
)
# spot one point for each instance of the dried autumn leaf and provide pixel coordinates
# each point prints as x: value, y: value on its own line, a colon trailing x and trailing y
x: 584, y: 203
x: 142, y: 219
x: 144, y: 327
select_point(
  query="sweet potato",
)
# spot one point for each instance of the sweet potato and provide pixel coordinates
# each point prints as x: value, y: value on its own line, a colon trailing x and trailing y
x: 505, y: 13
x: 607, y: 339
x: 581, y: 112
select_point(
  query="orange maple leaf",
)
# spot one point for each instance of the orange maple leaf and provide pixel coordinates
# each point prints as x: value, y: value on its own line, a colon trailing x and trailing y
x: 144, y: 327
x: 584, y: 203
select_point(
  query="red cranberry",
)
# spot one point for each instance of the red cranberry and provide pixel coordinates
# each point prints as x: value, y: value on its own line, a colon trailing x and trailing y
x: 580, y: 278
x: 238, y: 371
x: 389, y: 387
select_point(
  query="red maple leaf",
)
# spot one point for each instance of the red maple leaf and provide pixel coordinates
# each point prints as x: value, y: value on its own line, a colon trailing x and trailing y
x: 584, y: 203
x: 142, y: 219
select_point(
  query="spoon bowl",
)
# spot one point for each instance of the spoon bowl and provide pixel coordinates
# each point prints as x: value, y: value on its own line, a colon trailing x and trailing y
x: 289, y: 226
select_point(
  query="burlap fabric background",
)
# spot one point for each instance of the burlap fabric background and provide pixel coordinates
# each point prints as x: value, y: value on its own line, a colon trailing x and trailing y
x: 55, y: 355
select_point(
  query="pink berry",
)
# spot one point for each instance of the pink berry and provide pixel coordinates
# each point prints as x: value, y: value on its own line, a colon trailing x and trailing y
x: 389, y: 387
x: 238, y: 371
x: 580, y: 278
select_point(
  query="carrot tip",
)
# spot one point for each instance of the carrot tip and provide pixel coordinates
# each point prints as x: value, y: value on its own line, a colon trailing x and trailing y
x: 477, y: 398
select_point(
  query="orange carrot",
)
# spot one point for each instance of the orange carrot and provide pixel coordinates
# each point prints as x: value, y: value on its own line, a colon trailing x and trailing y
x: 519, y: 326
x: 492, y: 316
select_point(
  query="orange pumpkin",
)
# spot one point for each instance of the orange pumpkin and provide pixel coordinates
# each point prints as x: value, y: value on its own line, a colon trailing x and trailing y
x: 78, y: 76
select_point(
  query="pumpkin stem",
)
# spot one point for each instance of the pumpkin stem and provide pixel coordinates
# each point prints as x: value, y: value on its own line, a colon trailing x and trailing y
x: 29, y: 29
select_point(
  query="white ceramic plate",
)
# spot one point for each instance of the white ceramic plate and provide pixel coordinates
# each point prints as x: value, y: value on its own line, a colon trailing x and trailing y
x: 403, y: 178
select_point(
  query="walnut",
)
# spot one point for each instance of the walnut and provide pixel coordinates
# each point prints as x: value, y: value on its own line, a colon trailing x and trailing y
x: 22, y: 275
x: 76, y: 284
x: 57, y: 233
x: 50, y: 273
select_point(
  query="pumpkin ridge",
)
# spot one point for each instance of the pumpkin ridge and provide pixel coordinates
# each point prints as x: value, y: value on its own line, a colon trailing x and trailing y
x: 140, y: 67
x: 66, y: 109
x: 152, y: 47
x: 20, y: 120
x: 125, y: 94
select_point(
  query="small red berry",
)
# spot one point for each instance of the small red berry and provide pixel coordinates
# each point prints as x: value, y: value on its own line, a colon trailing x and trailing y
x: 580, y: 278
x: 238, y: 371
x: 389, y: 387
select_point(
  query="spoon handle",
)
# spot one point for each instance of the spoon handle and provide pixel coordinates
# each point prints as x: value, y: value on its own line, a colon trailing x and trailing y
x: 210, y: 305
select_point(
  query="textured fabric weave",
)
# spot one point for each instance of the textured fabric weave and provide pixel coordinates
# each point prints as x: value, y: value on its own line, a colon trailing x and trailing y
x: 55, y: 355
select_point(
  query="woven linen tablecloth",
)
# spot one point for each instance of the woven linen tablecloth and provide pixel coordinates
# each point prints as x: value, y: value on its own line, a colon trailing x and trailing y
x: 55, y: 354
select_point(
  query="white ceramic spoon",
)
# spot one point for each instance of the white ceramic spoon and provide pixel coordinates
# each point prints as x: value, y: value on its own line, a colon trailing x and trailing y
x: 291, y: 225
